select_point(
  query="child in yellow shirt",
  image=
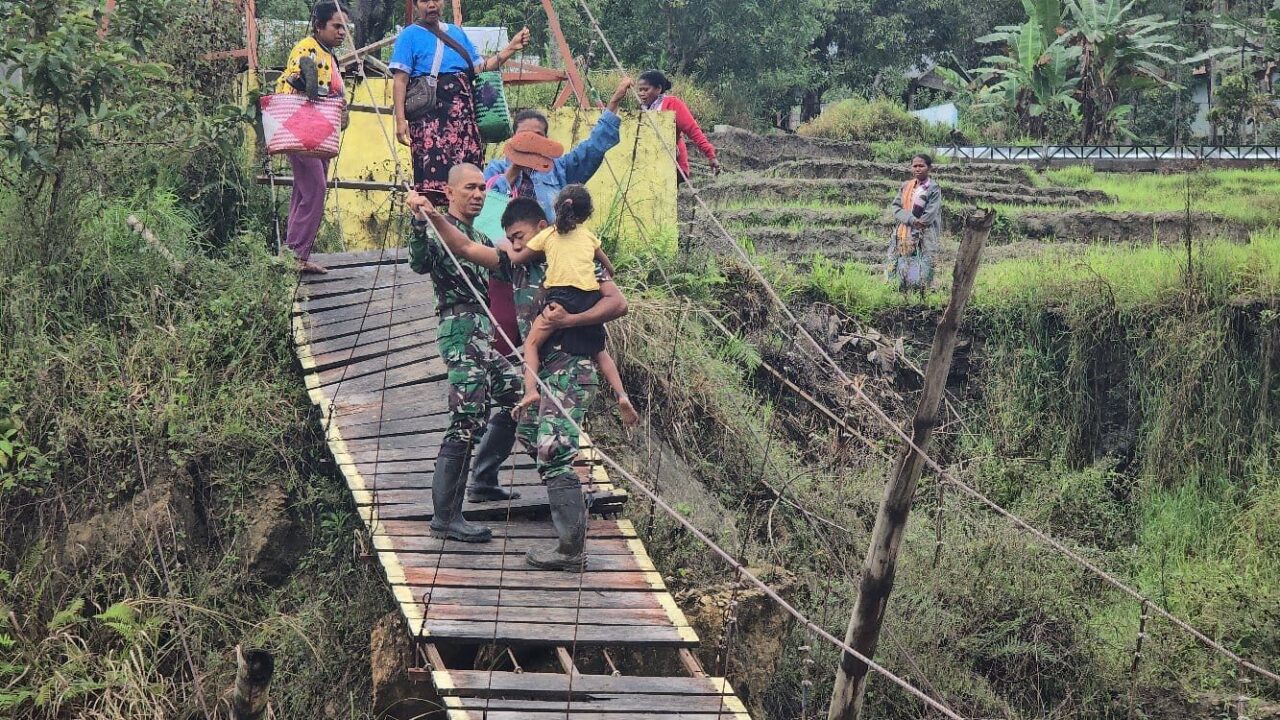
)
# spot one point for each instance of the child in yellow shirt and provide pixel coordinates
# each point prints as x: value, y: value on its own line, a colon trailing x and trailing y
x: 571, y: 252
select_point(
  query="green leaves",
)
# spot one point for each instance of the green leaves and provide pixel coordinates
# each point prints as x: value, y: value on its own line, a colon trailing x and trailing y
x: 65, y: 84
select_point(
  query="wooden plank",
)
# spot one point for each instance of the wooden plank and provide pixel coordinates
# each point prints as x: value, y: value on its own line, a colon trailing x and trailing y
x: 424, y: 352
x: 361, y: 280
x: 361, y: 257
x: 422, y: 371
x: 479, y: 683
x: 430, y: 547
x: 361, y: 304
x: 531, y: 579
x: 515, y: 560
x: 412, y: 534
x: 321, y: 326
x: 530, y: 503
x: 607, y: 703
x: 371, y: 350
x: 545, y: 597
x: 425, y: 326
x: 560, y: 615
x: 575, y: 714
x: 521, y: 477
x: 355, y: 303
x: 349, y: 271
x: 398, y: 403
x: 553, y: 633
x: 367, y: 426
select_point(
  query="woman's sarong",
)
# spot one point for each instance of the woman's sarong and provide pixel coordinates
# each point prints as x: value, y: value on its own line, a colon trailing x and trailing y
x: 444, y: 137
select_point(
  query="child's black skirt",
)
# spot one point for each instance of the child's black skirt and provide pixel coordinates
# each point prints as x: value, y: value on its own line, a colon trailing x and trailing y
x: 585, y: 340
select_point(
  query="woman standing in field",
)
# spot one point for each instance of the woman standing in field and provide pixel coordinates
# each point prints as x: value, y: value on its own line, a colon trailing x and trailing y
x: 653, y: 88
x: 917, y: 209
x: 312, y: 70
x: 435, y: 65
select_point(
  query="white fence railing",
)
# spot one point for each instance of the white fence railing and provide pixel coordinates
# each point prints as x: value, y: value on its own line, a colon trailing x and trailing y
x: 1111, y: 153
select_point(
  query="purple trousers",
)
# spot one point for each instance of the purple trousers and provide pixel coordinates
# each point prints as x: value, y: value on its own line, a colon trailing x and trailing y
x: 306, y: 206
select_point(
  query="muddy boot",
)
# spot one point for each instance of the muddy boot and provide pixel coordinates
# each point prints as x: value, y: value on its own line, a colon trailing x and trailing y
x: 493, y: 450
x: 447, y: 488
x: 569, y: 515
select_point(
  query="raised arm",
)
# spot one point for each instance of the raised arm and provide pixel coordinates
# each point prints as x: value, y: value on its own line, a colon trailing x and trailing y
x: 580, y: 163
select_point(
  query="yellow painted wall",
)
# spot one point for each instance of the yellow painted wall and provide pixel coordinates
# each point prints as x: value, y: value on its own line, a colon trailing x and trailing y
x: 647, y: 217
x: 645, y: 214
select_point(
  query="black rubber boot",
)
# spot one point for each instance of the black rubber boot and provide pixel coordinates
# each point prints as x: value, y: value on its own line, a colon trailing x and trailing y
x: 491, y: 453
x: 447, y: 495
x: 569, y: 515
x: 310, y: 77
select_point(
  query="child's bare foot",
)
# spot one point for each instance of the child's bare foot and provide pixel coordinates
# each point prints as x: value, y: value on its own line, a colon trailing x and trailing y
x: 629, y: 415
x: 306, y: 266
x: 529, y: 400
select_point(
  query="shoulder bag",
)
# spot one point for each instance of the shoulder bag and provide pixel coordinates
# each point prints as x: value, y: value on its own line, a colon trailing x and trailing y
x: 420, y: 96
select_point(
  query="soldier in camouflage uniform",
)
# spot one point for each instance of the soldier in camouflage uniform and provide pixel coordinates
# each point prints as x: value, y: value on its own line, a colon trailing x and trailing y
x: 572, y: 378
x: 478, y: 378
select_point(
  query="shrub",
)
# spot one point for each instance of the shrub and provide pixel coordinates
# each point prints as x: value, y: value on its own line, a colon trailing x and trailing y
x: 857, y: 119
x: 1070, y: 176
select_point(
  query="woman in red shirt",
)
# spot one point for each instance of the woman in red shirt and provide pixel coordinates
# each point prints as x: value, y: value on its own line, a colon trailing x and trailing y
x: 652, y: 87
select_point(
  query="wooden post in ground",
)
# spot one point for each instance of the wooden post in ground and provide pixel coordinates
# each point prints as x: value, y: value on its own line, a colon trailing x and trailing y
x: 886, y: 538
x: 254, y: 669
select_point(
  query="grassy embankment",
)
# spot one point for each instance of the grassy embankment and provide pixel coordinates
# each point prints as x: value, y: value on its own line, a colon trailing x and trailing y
x: 164, y: 488
x: 1116, y: 400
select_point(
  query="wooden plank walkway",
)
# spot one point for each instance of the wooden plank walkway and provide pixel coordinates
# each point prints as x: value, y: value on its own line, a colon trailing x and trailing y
x: 365, y: 337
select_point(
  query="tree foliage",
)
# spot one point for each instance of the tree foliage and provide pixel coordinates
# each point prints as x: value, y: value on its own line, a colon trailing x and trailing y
x: 1085, y: 58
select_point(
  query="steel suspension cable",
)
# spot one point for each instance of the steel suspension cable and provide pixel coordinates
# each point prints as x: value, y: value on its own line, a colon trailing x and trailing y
x: 902, y: 434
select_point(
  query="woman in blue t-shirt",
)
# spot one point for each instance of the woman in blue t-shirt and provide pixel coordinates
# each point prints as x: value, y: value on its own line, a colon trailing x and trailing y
x: 445, y: 134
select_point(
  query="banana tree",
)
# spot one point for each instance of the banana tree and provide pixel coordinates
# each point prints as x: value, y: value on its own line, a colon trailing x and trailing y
x: 1118, y: 55
x: 1036, y: 73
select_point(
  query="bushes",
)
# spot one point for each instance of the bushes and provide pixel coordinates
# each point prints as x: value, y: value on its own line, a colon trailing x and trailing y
x: 860, y: 120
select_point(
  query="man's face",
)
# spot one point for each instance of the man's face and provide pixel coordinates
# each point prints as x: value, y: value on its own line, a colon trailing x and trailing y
x: 533, y: 125
x: 919, y: 169
x: 466, y: 193
x: 519, y: 233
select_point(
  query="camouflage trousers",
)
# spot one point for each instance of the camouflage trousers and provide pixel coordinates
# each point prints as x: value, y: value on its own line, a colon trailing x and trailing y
x: 574, y: 380
x: 479, y: 377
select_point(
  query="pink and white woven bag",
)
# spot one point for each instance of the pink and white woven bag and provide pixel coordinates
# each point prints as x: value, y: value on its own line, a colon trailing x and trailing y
x: 297, y: 126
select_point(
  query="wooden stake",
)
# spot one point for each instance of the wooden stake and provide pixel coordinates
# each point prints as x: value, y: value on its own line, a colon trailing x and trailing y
x: 886, y: 538
x: 254, y: 669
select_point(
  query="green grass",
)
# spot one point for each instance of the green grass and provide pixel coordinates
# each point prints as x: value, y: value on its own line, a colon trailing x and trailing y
x: 1135, y: 276
x: 1250, y: 196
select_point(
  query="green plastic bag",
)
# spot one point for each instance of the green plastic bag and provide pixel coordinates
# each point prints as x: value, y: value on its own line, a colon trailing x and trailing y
x: 489, y: 221
x: 492, y: 114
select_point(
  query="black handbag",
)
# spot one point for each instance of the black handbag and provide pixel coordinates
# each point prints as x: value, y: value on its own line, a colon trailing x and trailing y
x: 420, y: 95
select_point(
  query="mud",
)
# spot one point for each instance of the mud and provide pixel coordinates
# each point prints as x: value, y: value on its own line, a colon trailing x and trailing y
x: 1091, y: 225
x: 805, y: 218
x: 395, y: 695
x: 754, y: 649
x: 835, y: 169
x: 121, y: 538
x: 838, y: 243
x: 739, y: 149
x: 846, y: 191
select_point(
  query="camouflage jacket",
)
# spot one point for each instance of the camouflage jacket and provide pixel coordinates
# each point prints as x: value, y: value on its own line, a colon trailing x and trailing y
x: 427, y: 254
